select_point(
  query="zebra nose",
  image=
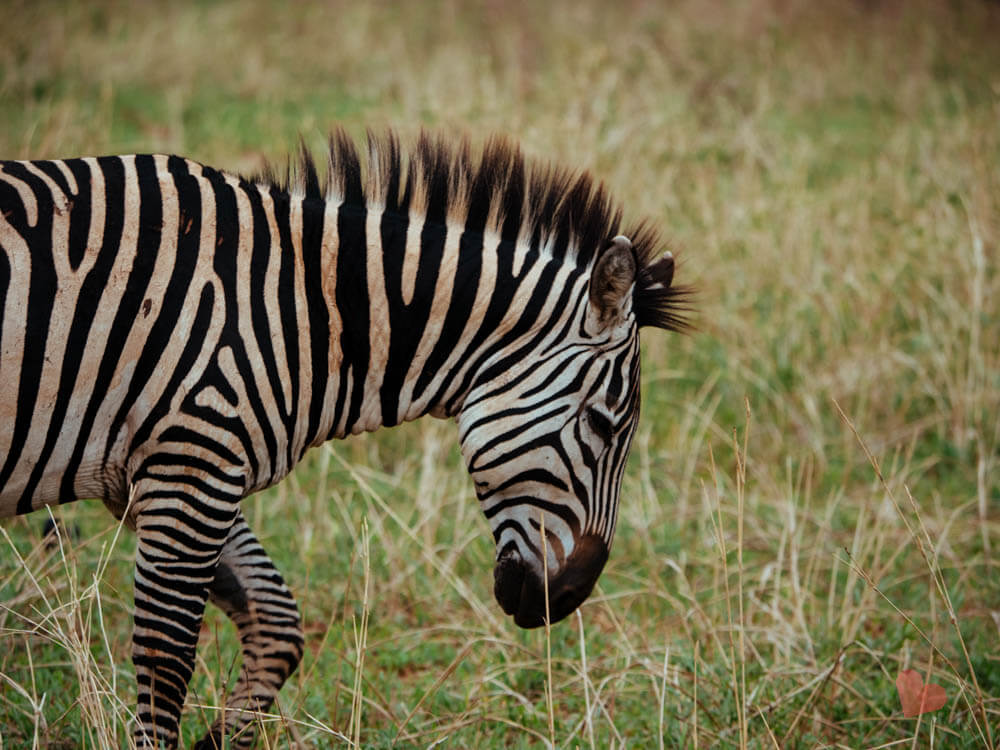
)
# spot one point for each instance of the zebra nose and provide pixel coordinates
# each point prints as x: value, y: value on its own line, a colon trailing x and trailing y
x: 508, y: 580
x: 521, y: 592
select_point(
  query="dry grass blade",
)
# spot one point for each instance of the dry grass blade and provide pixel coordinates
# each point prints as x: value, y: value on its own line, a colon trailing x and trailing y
x: 437, y: 684
x: 360, y: 639
x: 741, y: 480
x: 68, y: 622
x: 548, y: 633
x: 984, y: 730
x: 587, y: 715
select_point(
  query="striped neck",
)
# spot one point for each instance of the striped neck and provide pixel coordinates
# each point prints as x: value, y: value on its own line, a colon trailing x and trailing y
x: 416, y: 310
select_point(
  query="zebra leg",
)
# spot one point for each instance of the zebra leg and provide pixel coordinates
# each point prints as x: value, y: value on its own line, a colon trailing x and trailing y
x: 249, y: 589
x: 181, y: 533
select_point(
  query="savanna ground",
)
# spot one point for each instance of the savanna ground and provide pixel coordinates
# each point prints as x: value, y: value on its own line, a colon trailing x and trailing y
x: 812, y: 503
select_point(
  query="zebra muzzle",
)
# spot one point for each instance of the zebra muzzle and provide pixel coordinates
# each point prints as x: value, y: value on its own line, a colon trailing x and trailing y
x: 520, y: 591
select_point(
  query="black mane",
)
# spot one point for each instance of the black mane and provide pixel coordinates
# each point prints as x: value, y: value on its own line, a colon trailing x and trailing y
x: 495, y: 189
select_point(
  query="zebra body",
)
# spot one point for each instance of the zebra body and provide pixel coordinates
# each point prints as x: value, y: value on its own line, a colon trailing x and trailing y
x: 175, y: 338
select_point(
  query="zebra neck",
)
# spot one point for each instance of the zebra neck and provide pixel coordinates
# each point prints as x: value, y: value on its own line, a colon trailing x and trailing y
x: 394, y: 297
x: 414, y: 311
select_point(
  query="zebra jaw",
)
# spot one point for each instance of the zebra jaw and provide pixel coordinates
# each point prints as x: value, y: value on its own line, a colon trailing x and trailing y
x: 520, y: 591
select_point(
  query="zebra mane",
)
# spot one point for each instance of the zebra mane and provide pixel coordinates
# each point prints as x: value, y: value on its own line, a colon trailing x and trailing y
x: 494, y: 189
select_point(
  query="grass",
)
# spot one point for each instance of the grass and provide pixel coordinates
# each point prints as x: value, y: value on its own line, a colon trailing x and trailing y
x: 813, y: 498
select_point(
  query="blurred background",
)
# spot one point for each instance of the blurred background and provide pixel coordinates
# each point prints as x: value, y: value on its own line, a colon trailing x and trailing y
x: 813, y: 498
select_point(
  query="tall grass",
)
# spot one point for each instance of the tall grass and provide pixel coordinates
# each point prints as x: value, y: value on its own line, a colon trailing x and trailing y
x: 813, y: 499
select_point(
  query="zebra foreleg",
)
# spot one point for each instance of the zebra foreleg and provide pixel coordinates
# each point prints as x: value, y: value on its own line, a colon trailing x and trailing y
x: 249, y: 589
x: 181, y: 534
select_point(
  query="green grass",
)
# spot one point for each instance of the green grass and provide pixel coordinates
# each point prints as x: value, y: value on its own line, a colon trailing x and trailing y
x: 829, y: 178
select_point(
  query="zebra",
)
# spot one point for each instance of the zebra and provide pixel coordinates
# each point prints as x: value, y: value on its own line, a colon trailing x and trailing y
x: 175, y: 337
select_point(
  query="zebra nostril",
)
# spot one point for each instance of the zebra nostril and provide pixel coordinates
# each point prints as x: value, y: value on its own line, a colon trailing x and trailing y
x: 508, y: 581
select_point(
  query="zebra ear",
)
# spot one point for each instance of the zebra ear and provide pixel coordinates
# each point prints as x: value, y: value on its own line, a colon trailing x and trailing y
x: 611, y: 284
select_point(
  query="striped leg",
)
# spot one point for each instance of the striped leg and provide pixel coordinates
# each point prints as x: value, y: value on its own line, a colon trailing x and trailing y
x: 249, y: 589
x: 182, y: 523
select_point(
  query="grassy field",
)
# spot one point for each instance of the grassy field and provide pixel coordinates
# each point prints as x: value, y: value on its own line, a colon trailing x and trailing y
x: 812, y: 503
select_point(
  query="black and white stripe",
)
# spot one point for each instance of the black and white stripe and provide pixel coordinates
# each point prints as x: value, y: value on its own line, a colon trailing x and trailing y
x: 175, y: 338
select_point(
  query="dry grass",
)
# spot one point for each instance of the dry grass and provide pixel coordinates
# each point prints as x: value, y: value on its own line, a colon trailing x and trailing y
x: 813, y: 500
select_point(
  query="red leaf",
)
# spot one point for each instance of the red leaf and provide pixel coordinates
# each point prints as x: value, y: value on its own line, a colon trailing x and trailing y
x: 916, y: 697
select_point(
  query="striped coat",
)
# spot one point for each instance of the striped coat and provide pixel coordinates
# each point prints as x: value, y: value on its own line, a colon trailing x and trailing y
x: 175, y: 338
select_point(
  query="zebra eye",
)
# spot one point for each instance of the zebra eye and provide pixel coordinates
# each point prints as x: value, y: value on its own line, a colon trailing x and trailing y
x: 600, y: 424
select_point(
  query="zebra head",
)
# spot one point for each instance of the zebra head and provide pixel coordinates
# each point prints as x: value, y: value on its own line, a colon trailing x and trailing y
x: 546, y: 441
